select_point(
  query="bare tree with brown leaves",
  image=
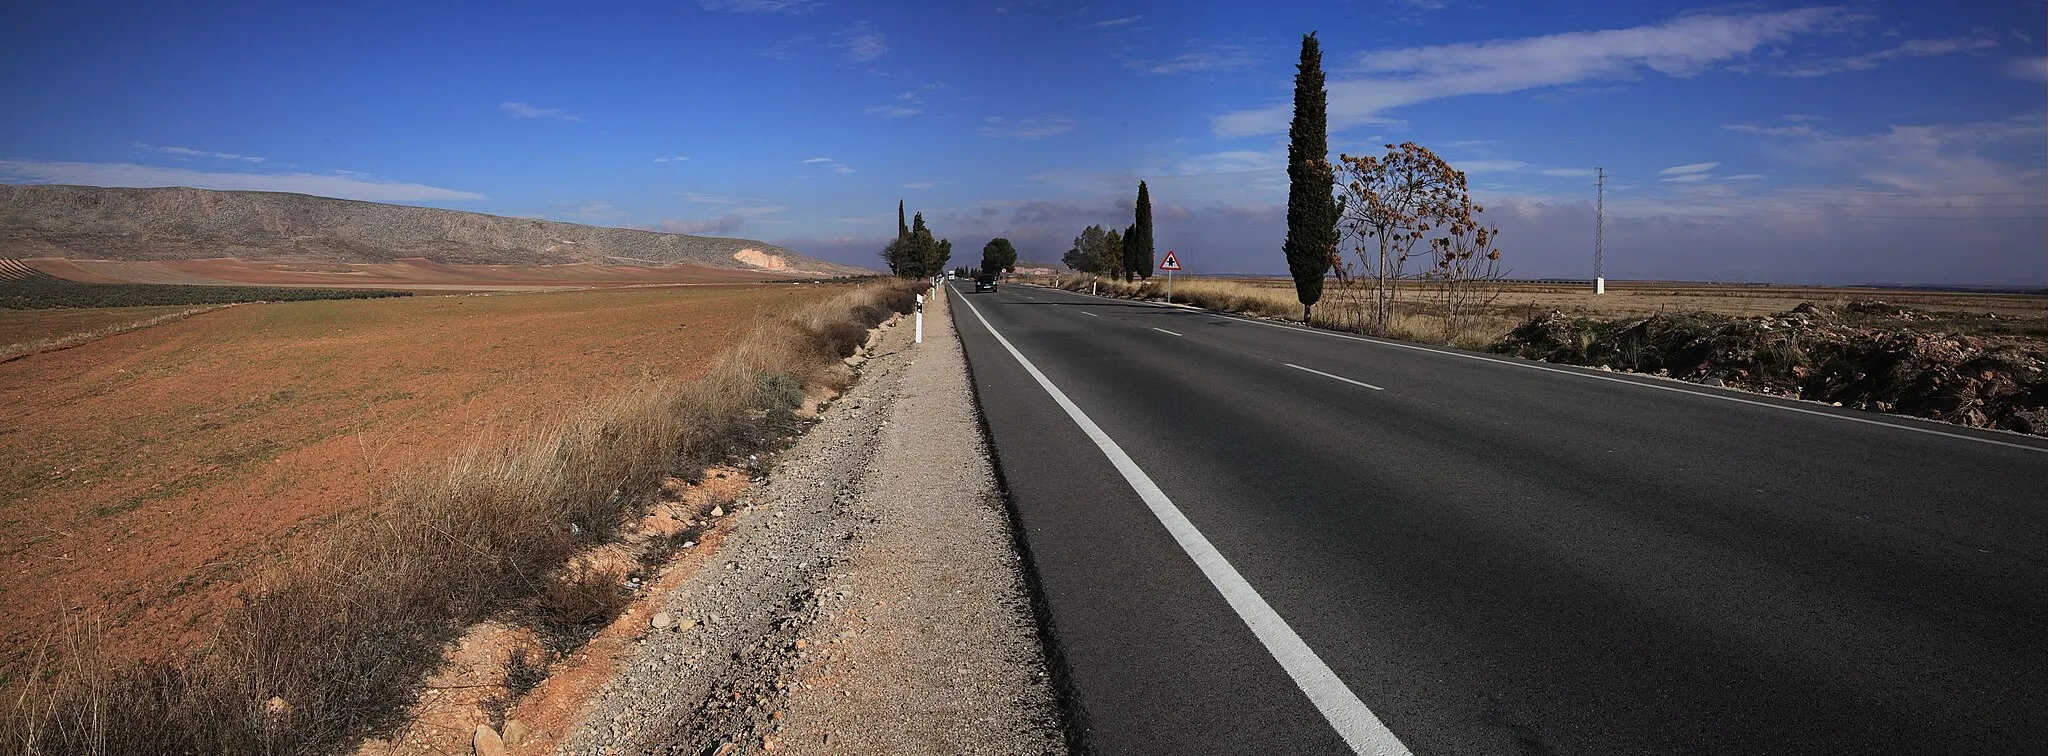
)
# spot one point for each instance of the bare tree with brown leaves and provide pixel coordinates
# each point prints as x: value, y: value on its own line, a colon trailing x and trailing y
x: 1464, y: 262
x: 1391, y: 203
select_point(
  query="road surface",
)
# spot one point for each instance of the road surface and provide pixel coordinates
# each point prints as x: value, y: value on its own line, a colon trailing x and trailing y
x: 1247, y: 537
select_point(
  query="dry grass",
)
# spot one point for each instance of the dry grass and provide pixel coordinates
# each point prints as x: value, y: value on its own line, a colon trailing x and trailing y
x: 332, y: 647
x: 67, y: 340
x: 1340, y: 309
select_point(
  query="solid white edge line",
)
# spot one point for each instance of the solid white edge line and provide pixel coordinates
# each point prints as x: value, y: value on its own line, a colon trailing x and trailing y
x: 1167, y: 332
x: 1338, y: 377
x: 1673, y: 389
x: 1360, y: 728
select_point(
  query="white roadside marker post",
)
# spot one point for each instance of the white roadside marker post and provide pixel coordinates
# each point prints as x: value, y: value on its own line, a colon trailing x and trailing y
x: 920, y: 318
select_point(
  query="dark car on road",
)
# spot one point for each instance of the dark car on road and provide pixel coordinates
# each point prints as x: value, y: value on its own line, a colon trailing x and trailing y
x: 985, y: 282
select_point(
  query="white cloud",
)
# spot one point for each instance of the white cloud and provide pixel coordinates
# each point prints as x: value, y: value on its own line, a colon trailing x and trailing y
x: 1034, y: 127
x: 1687, y: 178
x: 723, y: 224
x: 189, y: 152
x: 1211, y: 58
x: 1917, y: 48
x: 523, y: 110
x: 1490, y: 166
x: 807, y: 161
x: 2031, y: 69
x: 1689, y: 168
x: 1387, y: 79
x: 1567, y: 172
x: 1743, y: 177
x: 353, y: 186
x: 759, y: 6
x: 1750, y: 128
x: 861, y: 43
x: 893, y: 111
x: 1798, y: 118
x: 673, y: 159
x: 594, y: 210
x: 1117, y: 21
x: 841, y: 169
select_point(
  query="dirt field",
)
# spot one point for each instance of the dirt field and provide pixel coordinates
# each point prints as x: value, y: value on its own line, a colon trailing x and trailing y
x: 142, y: 476
x: 412, y: 274
x: 24, y: 326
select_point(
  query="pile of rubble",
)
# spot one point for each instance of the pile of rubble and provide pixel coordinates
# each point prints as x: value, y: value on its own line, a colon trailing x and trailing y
x: 1872, y: 356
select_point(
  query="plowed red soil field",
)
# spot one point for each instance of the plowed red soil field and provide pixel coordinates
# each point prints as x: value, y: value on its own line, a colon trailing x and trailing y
x: 415, y: 274
x: 144, y: 476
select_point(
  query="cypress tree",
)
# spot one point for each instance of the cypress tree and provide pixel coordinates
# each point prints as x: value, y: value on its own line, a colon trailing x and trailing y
x: 1140, y: 237
x: 1311, y: 244
x: 902, y: 231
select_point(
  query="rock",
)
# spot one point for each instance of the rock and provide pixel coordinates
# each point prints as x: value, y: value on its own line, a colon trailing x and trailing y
x: 726, y: 749
x: 486, y: 742
x: 514, y: 734
x: 663, y: 621
x: 718, y: 511
x: 685, y: 625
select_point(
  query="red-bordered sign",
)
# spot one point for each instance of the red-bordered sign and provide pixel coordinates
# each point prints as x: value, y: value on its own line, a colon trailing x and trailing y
x: 1171, y: 262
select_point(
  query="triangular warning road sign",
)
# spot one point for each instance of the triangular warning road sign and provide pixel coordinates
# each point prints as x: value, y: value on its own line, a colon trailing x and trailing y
x: 1170, y: 263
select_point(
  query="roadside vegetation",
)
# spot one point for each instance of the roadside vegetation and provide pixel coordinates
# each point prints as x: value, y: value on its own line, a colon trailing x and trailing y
x: 24, y: 288
x: 333, y: 645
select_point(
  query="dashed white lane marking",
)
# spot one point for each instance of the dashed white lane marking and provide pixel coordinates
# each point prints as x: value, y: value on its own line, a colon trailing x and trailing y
x: 1360, y: 728
x: 1090, y: 314
x: 1167, y: 332
x: 1338, y: 377
x: 1673, y: 389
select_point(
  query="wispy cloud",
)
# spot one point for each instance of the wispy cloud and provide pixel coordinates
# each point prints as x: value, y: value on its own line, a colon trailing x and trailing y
x: 723, y: 224
x: 759, y: 6
x: 907, y: 102
x: 2031, y: 69
x: 860, y: 42
x: 1116, y: 21
x: 836, y: 166
x: 1567, y: 172
x: 189, y: 152
x: 672, y: 159
x: 842, y: 169
x: 1750, y: 128
x: 1689, y: 168
x: 924, y: 184
x: 594, y: 210
x: 1490, y: 166
x: 1212, y: 57
x: 807, y: 161
x: 788, y: 48
x: 1387, y: 79
x: 352, y: 186
x: 523, y: 110
x: 1034, y: 127
x: 1917, y: 48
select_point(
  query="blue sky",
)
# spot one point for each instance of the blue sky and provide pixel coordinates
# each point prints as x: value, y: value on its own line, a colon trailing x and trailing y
x: 1763, y: 141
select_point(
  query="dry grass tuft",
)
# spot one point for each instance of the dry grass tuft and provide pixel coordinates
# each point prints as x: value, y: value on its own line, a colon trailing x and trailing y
x: 1340, y: 310
x: 333, y: 647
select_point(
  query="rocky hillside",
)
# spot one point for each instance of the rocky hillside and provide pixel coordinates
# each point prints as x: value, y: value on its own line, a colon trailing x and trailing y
x: 85, y: 222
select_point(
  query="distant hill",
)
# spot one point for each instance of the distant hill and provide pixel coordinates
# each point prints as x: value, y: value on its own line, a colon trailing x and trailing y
x: 179, y: 223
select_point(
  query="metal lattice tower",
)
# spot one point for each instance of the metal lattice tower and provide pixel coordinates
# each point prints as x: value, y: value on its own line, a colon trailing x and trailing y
x: 1599, y: 221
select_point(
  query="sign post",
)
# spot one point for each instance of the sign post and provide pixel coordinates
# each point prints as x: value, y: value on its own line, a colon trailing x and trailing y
x: 1170, y: 264
x: 920, y: 318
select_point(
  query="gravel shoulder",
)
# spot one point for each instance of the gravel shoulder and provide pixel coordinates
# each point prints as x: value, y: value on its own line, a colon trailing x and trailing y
x: 868, y: 597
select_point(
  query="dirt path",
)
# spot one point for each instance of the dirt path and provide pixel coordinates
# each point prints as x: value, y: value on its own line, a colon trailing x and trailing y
x: 868, y: 601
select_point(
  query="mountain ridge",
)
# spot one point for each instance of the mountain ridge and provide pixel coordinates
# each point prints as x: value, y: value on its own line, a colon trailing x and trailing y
x: 184, y: 223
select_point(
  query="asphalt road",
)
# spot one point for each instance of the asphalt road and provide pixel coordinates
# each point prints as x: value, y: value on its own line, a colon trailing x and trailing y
x: 1496, y: 556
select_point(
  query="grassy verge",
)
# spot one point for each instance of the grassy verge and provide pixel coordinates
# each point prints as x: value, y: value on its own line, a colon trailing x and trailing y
x: 1340, y: 310
x: 333, y: 646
